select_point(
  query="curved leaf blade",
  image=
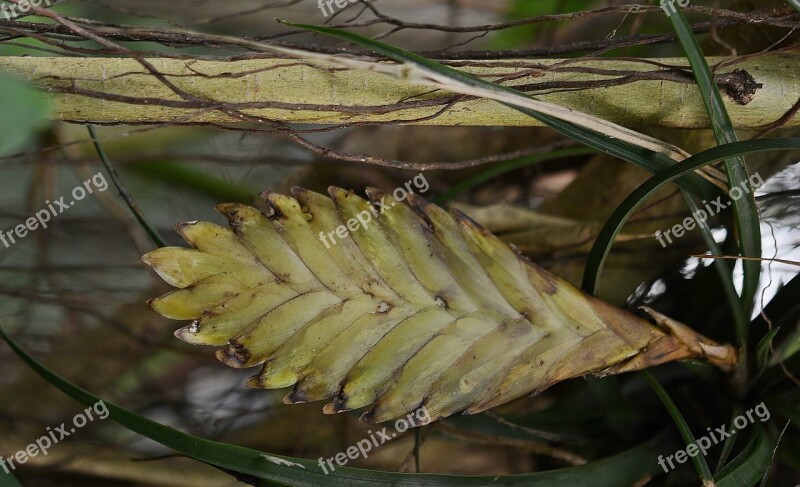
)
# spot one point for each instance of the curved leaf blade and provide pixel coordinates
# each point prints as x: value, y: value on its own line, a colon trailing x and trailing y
x: 752, y: 464
x: 8, y: 479
x: 745, y: 211
x: 616, y: 221
x: 630, y: 466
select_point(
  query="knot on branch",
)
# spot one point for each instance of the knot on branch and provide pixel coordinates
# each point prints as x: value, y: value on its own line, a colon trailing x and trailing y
x: 739, y: 85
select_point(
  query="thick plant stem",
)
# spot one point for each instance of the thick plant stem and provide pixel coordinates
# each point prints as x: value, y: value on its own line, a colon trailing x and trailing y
x: 118, y: 90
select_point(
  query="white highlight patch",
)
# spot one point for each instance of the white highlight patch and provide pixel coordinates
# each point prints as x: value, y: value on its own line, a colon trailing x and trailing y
x: 281, y: 461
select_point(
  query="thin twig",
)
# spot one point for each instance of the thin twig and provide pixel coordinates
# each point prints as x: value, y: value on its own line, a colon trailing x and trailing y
x: 123, y: 192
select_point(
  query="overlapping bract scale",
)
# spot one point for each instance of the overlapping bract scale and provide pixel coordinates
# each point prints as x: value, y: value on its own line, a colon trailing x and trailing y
x: 414, y: 306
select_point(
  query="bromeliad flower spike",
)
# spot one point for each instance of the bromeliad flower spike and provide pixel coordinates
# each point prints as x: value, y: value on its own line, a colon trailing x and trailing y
x: 415, y: 306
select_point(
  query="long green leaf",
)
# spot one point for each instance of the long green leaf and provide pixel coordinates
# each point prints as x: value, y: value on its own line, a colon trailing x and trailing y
x: 746, y: 213
x: 740, y: 319
x: 688, y: 437
x: 615, y: 222
x: 250, y: 465
x: 748, y: 468
x: 646, y: 158
x: 8, y: 479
